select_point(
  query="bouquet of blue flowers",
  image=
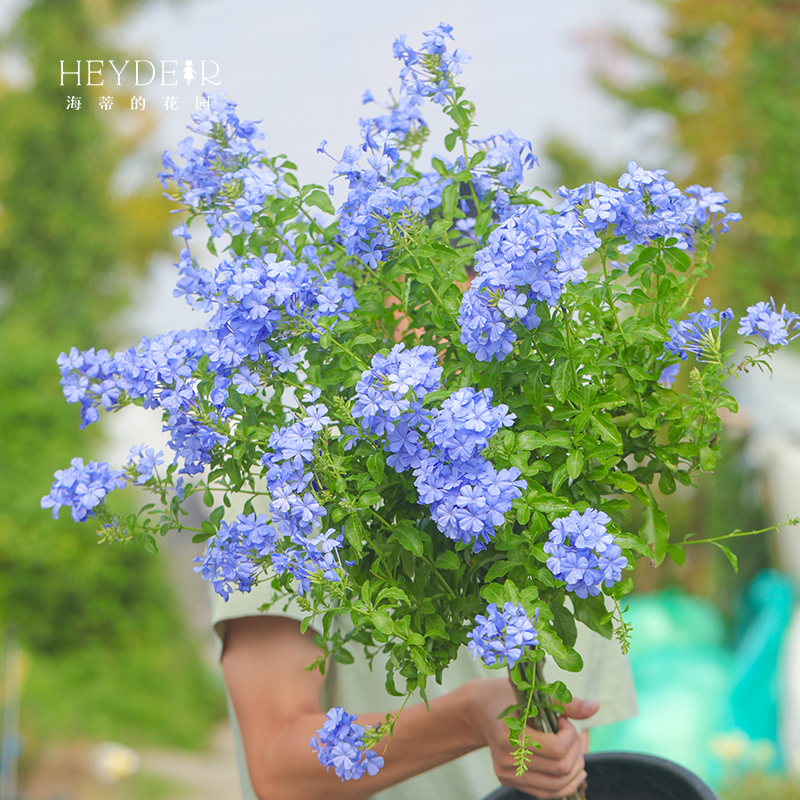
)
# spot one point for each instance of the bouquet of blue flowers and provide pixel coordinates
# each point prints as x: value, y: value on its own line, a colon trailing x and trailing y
x: 431, y: 409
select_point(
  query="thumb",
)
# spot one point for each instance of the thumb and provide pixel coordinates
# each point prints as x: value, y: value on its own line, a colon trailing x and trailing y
x: 581, y: 709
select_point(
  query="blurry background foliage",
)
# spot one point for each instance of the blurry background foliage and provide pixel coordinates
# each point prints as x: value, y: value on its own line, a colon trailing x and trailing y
x: 726, y: 79
x: 110, y: 657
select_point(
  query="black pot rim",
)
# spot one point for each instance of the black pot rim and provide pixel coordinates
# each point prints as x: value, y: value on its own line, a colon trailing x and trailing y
x: 655, y: 762
x: 656, y: 765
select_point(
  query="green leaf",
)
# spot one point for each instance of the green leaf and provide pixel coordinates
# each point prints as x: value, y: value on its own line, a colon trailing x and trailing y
x: 439, y: 166
x: 353, y: 533
x: 321, y: 200
x: 291, y: 179
x: 498, y: 569
x: 208, y: 498
x: 420, y: 659
x: 149, y: 543
x: 366, y: 592
x: 627, y: 541
x: 447, y: 560
x: 369, y: 499
x: 199, y: 538
x: 677, y: 553
x: 562, y: 379
x: 493, y: 593
x: 549, y: 504
x: 450, y: 197
x: 731, y: 556
x: 409, y: 537
x: 216, y: 515
x: 208, y: 528
x: 382, y: 621
x: 564, y: 656
x: 342, y: 656
x: 564, y: 624
x: 655, y: 530
x: 439, y: 227
x: 376, y: 464
x: 607, y: 430
x: 624, y: 482
x: 434, y: 627
x: 708, y: 459
x: 362, y: 338
x: 450, y: 140
x: 574, y: 464
x: 591, y: 611
x: 530, y: 440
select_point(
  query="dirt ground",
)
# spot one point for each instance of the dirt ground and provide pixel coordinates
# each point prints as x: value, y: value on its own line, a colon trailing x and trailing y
x: 66, y: 773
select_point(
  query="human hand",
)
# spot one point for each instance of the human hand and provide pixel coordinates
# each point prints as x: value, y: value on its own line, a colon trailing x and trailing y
x: 556, y: 768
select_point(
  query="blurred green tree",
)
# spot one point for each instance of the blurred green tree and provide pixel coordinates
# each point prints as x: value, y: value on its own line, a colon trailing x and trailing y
x: 728, y: 80
x: 71, y: 248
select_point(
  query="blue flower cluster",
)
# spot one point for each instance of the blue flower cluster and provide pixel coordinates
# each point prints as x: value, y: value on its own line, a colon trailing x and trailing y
x: 295, y: 515
x: 693, y: 335
x: 583, y: 553
x: 143, y: 461
x: 255, y: 301
x: 467, y: 495
x: 295, y: 510
x: 159, y: 373
x: 773, y: 326
x: 647, y: 206
x: 528, y: 259
x: 429, y: 72
x: 227, y: 178
x: 389, y: 400
x: 372, y: 200
x: 228, y: 560
x: 507, y: 159
x: 501, y: 637
x: 340, y: 744
x: 82, y: 488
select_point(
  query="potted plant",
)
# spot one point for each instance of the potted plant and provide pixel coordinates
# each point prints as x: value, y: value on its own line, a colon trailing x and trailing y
x: 450, y: 391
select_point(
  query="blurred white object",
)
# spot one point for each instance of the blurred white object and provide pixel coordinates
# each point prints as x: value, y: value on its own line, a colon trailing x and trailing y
x: 112, y: 761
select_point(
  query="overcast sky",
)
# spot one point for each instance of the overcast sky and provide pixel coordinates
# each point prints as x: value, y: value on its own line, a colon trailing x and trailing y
x: 302, y: 66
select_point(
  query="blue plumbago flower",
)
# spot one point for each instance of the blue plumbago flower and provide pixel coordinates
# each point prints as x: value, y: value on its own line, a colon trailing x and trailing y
x: 340, y: 744
x: 227, y: 179
x: 669, y: 375
x: 144, y: 461
x: 773, y: 326
x: 228, y: 560
x: 295, y: 510
x: 699, y: 334
x: 583, y: 553
x: 255, y: 302
x: 501, y: 637
x: 468, y: 496
x: 529, y: 259
x: 507, y: 159
x: 647, y: 207
x: 82, y: 488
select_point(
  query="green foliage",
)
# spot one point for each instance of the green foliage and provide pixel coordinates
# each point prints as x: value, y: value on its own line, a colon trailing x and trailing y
x: 728, y: 81
x: 70, y: 249
x: 593, y: 429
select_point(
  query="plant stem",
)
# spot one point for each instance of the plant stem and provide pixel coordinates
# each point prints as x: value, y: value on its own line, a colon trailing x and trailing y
x: 546, y: 720
x: 739, y: 534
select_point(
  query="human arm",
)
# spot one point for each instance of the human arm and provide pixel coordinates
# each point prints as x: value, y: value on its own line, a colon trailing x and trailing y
x: 276, y: 701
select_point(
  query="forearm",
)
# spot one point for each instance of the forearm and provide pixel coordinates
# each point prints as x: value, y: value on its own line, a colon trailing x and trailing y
x: 286, y: 768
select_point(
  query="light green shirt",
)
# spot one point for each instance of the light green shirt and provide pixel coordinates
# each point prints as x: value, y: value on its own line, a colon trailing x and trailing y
x: 606, y: 677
